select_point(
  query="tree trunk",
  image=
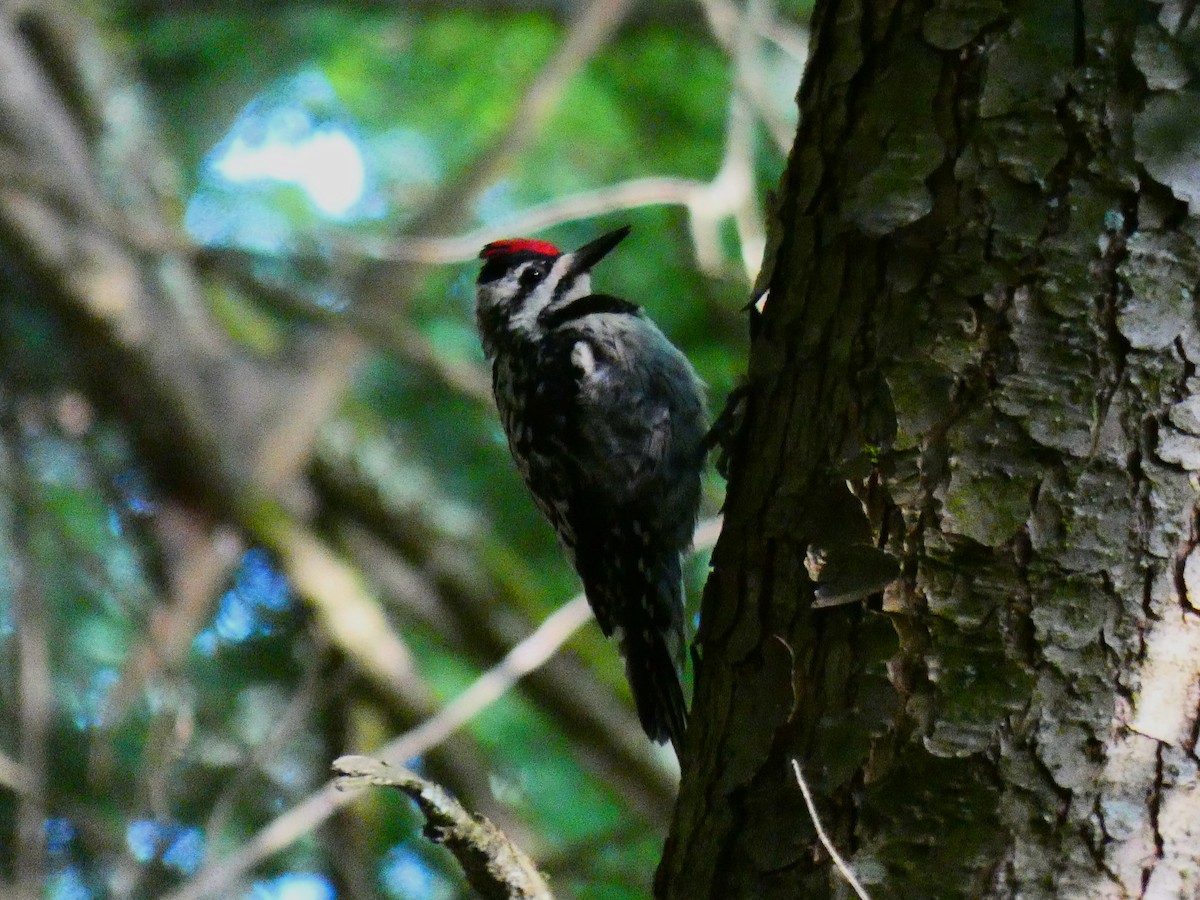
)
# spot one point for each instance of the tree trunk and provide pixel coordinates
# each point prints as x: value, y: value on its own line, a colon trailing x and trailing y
x: 978, y: 357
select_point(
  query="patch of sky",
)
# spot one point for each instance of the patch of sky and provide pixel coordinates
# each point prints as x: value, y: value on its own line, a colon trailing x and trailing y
x: 59, y: 834
x: 68, y: 884
x: 496, y: 204
x: 179, y: 847
x: 332, y: 301
x: 293, y: 886
x: 57, y: 461
x: 405, y: 874
x: 185, y: 852
x: 136, y: 494
x: 412, y: 166
x: 295, y: 134
x: 251, y: 607
x: 88, y: 705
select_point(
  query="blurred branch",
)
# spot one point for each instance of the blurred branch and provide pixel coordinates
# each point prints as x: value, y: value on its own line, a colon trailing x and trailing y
x: 725, y: 21
x: 36, y: 702
x: 737, y: 33
x: 351, y: 615
x: 291, y: 721
x: 31, y: 621
x: 13, y: 775
x: 328, y: 371
x: 199, y: 558
x: 493, y: 864
x: 35, y: 120
x: 631, y: 194
x: 731, y: 192
x: 734, y: 182
x: 671, y: 12
x: 286, y: 441
x: 707, y: 201
x: 345, y: 607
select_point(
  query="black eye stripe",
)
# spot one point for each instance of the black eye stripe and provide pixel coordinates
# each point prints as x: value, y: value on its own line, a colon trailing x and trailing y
x: 532, y: 275
x: 496, y: 267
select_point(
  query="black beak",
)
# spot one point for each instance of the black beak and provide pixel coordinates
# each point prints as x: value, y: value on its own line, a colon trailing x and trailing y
x: 589, y: 254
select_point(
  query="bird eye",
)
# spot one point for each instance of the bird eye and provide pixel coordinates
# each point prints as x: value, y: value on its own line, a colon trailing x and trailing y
x: 532, y: 276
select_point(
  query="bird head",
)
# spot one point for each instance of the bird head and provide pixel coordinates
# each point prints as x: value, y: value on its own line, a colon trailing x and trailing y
x: 521, y: 277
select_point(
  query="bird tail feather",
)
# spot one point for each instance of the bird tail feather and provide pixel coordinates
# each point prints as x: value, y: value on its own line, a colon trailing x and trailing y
x: 643, y: 603
x: 654, y: 678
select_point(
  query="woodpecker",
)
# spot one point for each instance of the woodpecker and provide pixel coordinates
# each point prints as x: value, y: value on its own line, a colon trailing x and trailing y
x: 606, y: 421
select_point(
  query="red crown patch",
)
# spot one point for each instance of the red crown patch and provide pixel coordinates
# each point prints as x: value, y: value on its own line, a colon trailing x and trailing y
x: 518, y: 245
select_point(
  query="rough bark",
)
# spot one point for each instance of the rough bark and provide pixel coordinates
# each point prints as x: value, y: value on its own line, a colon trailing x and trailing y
x: 978, y: 355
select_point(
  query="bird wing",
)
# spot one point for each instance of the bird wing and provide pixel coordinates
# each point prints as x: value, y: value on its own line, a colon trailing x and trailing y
x: 620, y: 421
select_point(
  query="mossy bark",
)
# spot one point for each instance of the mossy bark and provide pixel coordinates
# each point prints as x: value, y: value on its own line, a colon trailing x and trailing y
x: 978, y: 356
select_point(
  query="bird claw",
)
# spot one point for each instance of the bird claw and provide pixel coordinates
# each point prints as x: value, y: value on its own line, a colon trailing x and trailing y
x: 726, y: 428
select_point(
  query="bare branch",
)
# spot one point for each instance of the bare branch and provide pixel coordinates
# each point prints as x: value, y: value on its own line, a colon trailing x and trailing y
x: 838, y: 861
x: 493, y: 864
x: 724, y: 21
x: 301, y: 819
x: 730, y: 193
x: 706, y: 201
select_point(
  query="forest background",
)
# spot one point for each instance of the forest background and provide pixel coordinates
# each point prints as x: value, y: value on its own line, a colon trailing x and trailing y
x: 254, y: 500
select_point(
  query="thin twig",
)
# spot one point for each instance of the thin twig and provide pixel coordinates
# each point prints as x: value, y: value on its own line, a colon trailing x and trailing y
x: 290, y: 826
x: 496, y: 867
x: 838, y: 861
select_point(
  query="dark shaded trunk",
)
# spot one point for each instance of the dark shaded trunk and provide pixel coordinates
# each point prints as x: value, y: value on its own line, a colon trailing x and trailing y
x: 977, y: 355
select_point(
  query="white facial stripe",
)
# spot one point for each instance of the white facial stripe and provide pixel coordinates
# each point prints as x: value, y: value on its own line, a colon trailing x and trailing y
x: 525, y: 319
x: 504, y: 296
